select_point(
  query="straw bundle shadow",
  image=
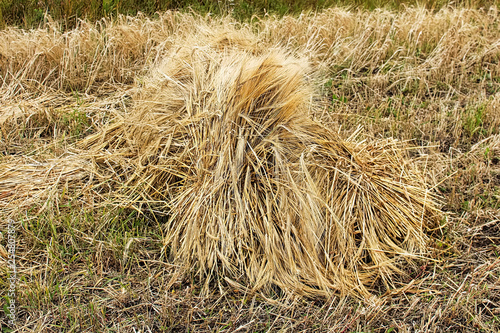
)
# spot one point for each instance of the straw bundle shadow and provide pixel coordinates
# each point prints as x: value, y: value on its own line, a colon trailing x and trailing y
x: 258, y: 195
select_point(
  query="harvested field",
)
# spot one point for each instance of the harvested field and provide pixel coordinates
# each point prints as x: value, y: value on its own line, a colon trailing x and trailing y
x: 336, y: 171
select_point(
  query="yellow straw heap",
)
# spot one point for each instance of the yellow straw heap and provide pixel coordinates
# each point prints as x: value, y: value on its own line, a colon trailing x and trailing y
x: 258, y: 195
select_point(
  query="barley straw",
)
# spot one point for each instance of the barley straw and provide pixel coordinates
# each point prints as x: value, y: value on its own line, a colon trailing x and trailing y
x: 219, y: 138
x: 258, y: 194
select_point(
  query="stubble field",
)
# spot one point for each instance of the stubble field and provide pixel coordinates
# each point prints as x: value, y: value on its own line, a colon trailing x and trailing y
x: 94, y: 253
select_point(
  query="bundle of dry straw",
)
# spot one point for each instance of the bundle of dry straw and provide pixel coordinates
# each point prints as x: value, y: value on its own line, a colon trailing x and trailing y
x: 259, y: 195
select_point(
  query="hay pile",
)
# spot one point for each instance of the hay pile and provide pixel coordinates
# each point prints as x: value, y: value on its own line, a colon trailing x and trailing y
x: 257, y: 194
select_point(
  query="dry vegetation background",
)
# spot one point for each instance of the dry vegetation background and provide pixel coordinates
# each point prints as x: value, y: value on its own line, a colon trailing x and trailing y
x: 429, y: 79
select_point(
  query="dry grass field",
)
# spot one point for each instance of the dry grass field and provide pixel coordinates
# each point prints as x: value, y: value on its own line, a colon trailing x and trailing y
x: 328, y: 172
